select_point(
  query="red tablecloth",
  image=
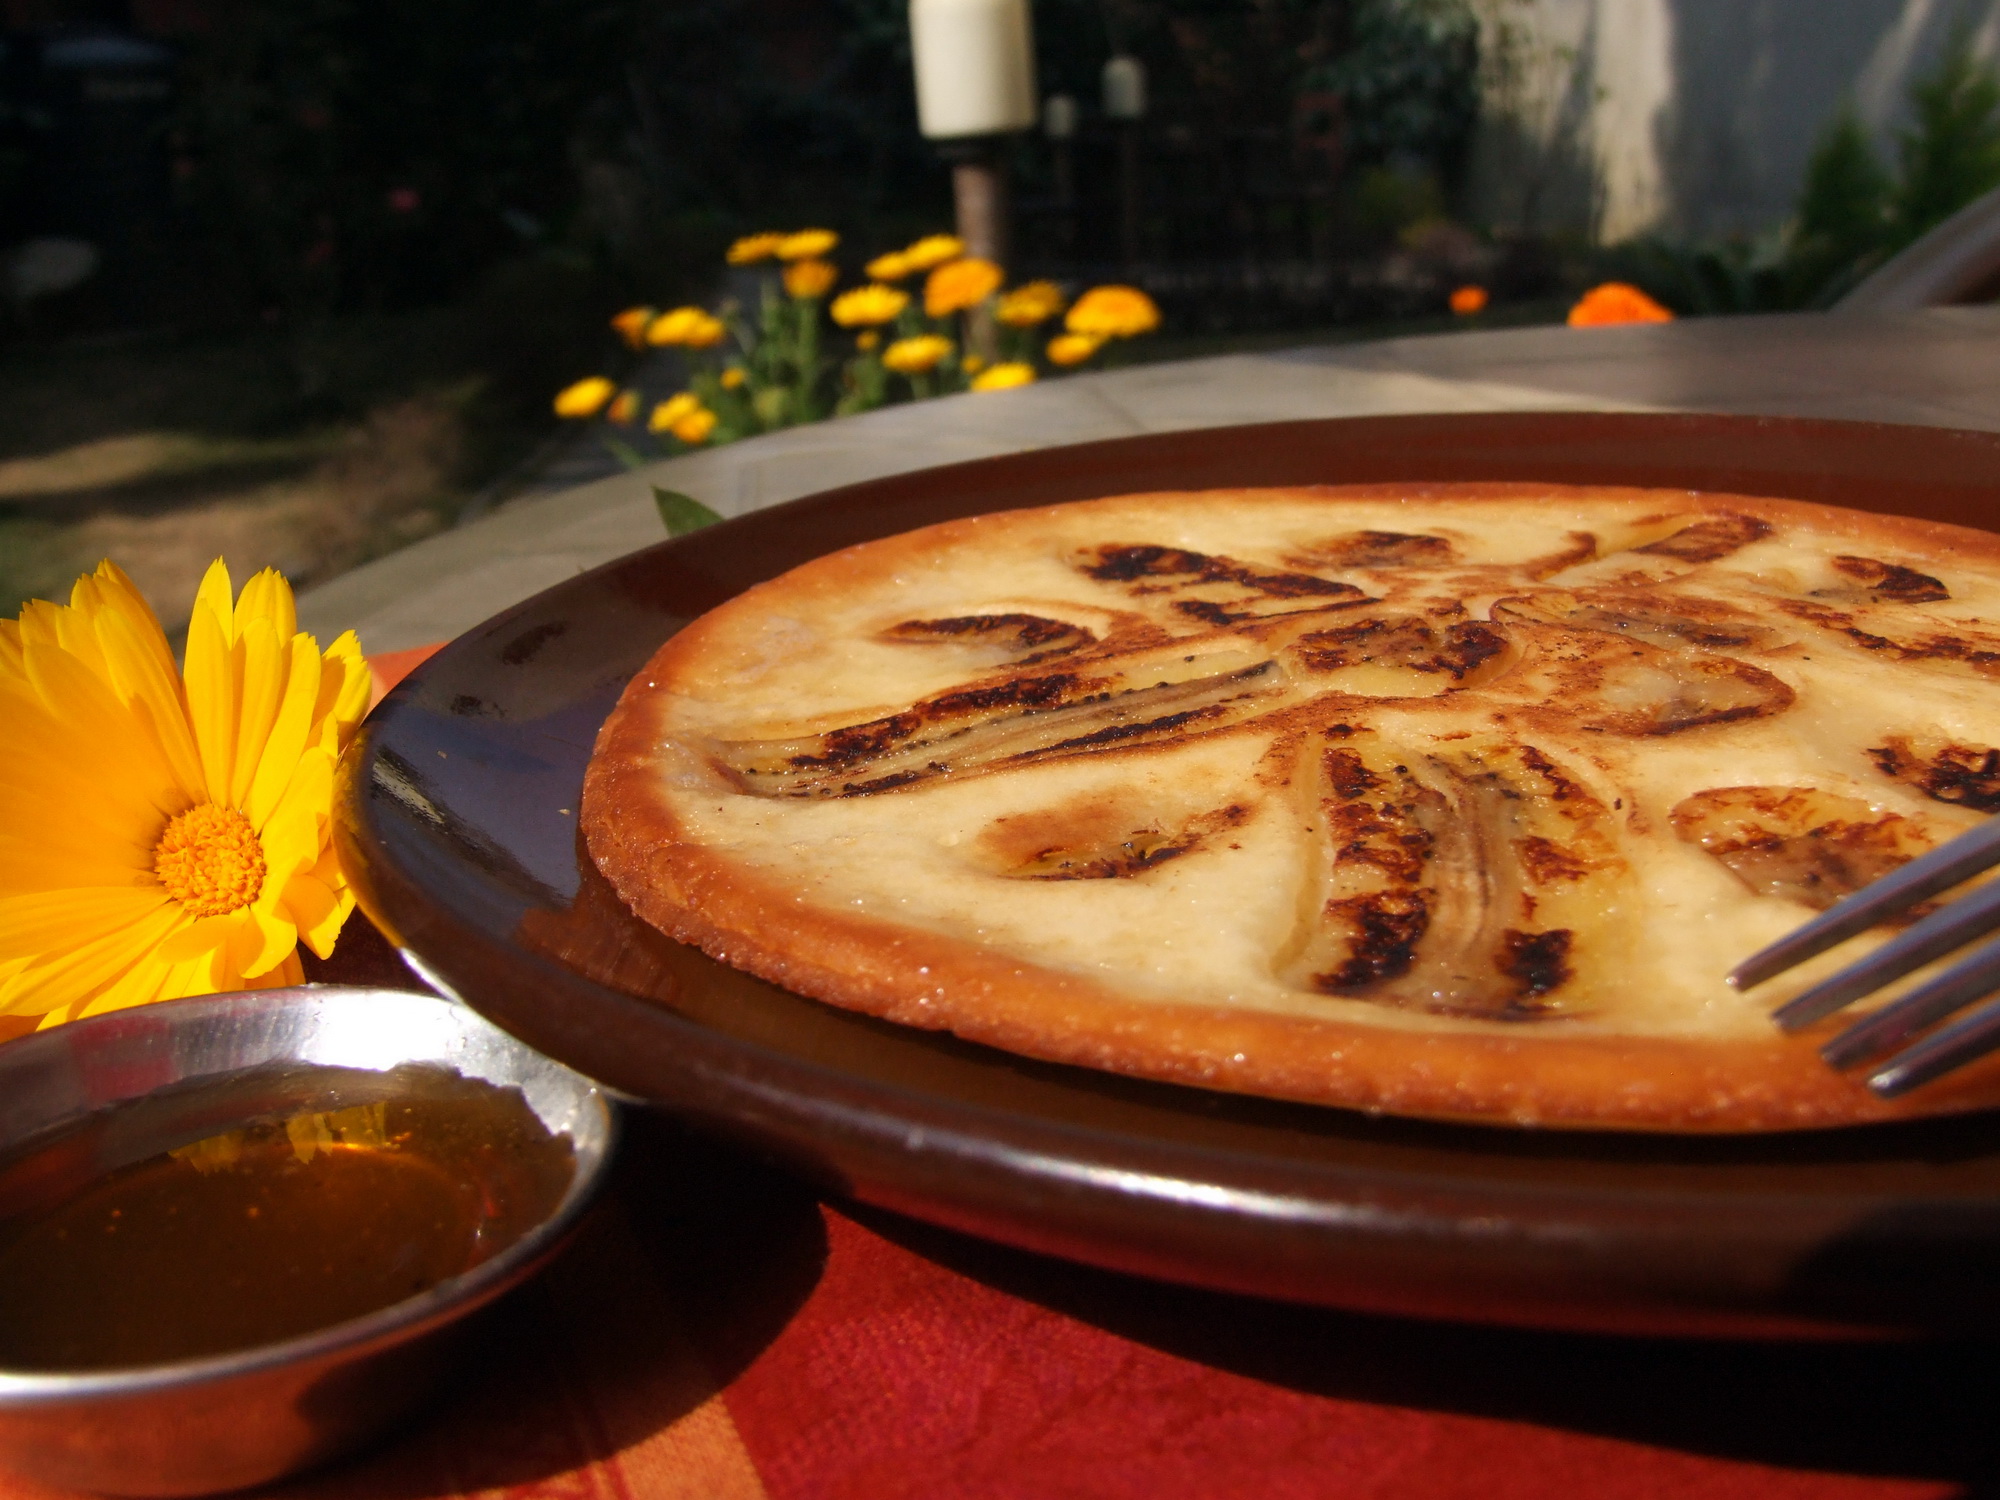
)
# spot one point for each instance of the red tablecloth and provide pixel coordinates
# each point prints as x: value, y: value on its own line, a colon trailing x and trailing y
x: 717, y: 1332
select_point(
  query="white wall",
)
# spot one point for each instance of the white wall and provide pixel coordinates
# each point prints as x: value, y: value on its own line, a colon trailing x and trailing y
x: 1690, y: 118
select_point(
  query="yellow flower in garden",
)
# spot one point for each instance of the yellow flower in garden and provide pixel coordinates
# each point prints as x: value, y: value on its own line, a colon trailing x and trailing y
x: 753, y: 248
x: 631, y: 324
x: 1073, y: 348
x: 695, y: 426
x: 917, y: 356
x: 972, y: 364
x: 1005, y: 377
x: 961, y: 284
x: 932, y: 250
x: 624, y: 410
x: 891, y: 267
x: 692, y: 327
x: 807, y: 244
x: 586, y: 398
x: 869, y: 340
x: 810, y: 278
x: 1467, y: 300
x: 672, y: 410
x: 707, y: 332
x: 867, y: 306
x: 1113, y: 312
x: 733, y: 378
x: 162, y: 836
x: 1030, y: 305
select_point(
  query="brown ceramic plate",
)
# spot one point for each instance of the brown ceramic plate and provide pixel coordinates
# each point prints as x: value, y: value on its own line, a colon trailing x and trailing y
x: 458, y: 824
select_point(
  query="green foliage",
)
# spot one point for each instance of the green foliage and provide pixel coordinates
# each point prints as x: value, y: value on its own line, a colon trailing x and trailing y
x: 1853, y: 212
x: 1951, y: 152
x: 682, y: 513
x: 1409, y: 80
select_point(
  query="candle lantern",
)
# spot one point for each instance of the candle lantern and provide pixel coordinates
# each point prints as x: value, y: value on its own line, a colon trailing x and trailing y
x: 1060, y: 118
x: 1124, y: 97
x: 1124, y: 86
x: 975, y: 66
x: 975, y: 62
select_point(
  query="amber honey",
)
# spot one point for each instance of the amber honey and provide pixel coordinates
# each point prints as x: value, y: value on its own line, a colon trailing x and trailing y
x: 148, y: 1235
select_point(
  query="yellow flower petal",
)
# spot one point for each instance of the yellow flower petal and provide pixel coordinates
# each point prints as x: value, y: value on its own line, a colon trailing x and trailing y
x: 37, y: 921
x: 291, y: 730
x: 211, y: 693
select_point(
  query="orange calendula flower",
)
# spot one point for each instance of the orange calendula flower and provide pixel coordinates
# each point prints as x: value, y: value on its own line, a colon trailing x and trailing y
x: 1113, y: 312
x: 1004, y: 377
x: 733, y: 378
x: 807, y: 244
x: 1073, y: 348
x: 672, y: 410
x: 690, y: 327
x: 972, y: 364
x: 1031, y: 305
x: 917, y: 356
x: 810, y: 278
x: 933, y: 250
x: 868, y: 306
x: 624, y: 409
x: 959, y: 285
x: 166, y: 833
x: 868, y: 340
x: 631, y: 324
x: 894, y: 266
x: 1467, y: 300
x: 586, y: 398
x: 1616, y: 302
x: 695, y: 427
x: 753, y: 248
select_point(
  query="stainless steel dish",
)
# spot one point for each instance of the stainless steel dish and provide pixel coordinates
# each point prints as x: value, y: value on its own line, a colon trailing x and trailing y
x: 226, y: 1421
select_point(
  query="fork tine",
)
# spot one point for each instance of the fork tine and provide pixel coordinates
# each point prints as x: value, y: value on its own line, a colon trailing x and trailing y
x: 1944, y: 867
x: 1939, y: 933
x: 1966, y: 1039
x: 1973, y: 978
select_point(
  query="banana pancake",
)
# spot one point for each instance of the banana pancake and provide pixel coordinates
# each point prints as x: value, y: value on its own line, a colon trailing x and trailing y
x: 1448, y: 800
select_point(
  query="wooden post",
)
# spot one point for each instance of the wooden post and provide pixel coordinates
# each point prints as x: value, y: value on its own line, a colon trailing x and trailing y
x: 979, y: 191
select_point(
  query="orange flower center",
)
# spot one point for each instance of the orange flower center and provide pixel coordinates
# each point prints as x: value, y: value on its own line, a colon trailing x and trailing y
x: 209, y: 860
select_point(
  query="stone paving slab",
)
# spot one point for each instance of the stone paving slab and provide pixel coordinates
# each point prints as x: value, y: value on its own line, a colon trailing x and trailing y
x: 1936, y: 368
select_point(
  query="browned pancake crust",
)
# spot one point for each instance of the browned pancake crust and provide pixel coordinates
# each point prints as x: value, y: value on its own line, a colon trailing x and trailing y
x: 919, y: 977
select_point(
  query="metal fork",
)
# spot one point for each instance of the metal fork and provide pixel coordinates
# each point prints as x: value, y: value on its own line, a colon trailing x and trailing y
x: 1945, y: 930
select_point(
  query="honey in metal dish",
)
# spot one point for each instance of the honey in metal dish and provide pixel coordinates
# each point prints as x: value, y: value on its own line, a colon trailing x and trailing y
x: 147, y: 1235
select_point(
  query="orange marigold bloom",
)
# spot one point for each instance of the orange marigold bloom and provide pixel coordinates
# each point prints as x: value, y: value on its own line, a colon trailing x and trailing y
x: 933, y: 250
x: 869, y: 339
x: 867, y: 306
x: 1004, y: 377
x: 625, y: 409
x: 807, y: 244
x: 961, y: 284
x: 1030, y: 305
x: 754, y: 247
x: 1468, y: 300
x: 891, y: 267
x: 733, y: 378
x: 673, y: 410
x: 695, y: 427
x: 586, y: 398
x: 810, y: 278
x: 1073, y: 348
x: 1616, y: 302
x: 1113, y: 312
x: 631, y: 324
x: 917, y: 356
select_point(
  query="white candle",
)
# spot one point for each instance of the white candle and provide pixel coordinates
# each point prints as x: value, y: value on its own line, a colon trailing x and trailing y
x: 1124, y: 88
x: 975, y: 66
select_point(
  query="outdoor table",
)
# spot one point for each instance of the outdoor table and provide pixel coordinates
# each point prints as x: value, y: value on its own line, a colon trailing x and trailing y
x: 720, y: 1331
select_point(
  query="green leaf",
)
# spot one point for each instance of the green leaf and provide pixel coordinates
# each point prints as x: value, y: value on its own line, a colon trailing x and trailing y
x: 682, y: 513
